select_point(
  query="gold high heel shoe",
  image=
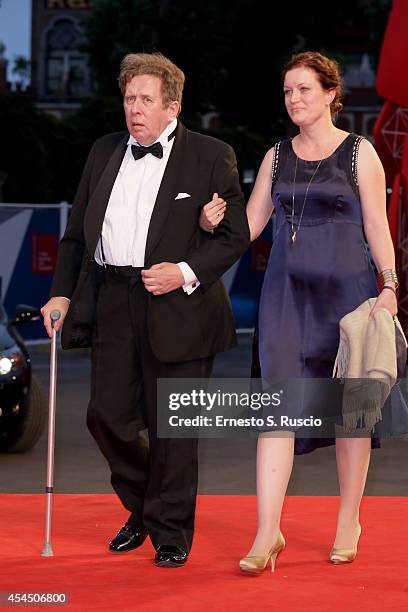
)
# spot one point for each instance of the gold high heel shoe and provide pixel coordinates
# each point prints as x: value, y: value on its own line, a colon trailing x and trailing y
x: 344, y: 555
x: 255, y: 564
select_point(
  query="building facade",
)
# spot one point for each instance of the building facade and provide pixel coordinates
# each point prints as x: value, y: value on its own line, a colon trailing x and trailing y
x: 60, y: 74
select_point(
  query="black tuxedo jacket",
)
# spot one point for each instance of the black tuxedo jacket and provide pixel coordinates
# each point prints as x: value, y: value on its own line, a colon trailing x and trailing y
x: 181, y: 327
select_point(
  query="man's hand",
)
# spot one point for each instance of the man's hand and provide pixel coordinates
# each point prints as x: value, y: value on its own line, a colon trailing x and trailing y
x: 163, y: 278
x: 55, y: 303
x: 212, y: 213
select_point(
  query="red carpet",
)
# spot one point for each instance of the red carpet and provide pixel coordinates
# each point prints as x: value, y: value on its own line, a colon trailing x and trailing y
x: 304, y: 580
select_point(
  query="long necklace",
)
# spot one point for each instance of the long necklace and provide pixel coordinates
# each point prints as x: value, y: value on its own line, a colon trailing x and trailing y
x: 295, y: 231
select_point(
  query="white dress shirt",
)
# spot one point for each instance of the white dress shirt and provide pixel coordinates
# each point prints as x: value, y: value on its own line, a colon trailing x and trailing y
x: 130, y: 207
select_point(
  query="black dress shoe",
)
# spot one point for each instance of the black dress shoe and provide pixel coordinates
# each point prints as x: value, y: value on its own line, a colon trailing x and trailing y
x: 128, y: 538
x: 170, y: 556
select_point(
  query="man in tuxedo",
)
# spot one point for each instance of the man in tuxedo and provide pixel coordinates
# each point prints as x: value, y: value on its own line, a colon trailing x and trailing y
x: 138, y: 280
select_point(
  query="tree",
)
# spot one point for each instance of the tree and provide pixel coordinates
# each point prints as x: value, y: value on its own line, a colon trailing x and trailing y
x: 22, y: 68
x: 28, y: 149
x: 114, y: 28
x: 52, y: 152
x: 232, y: 53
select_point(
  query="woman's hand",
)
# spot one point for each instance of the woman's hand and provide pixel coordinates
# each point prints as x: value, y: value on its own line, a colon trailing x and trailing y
x: 212, y: 213
x: 387, y: 299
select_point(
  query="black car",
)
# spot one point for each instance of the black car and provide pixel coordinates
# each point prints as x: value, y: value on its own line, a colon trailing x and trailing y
x: 23, y: 408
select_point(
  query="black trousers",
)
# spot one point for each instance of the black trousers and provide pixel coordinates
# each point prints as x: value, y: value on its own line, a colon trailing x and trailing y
x: 157, y: 482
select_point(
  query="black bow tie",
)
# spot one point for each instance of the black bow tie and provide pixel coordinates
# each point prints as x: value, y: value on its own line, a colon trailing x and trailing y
x: 155, y: 149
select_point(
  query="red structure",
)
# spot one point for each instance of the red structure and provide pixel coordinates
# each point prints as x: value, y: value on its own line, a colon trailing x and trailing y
x: 391, y: 138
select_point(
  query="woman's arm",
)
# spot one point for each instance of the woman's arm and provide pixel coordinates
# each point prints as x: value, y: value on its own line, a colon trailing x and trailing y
x: 371, y: 181
x: 259, y: 208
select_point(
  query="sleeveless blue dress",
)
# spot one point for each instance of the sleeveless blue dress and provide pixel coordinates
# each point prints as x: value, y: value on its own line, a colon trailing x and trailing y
x: 311, y: 284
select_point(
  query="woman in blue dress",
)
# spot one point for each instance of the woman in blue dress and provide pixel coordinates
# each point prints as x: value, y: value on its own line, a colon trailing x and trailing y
x: 327, y: 187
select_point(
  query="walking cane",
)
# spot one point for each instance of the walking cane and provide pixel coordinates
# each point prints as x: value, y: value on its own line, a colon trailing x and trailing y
x: 47, y: 550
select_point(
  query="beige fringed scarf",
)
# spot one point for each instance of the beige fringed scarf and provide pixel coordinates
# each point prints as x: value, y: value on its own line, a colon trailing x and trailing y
x: 367, y: 360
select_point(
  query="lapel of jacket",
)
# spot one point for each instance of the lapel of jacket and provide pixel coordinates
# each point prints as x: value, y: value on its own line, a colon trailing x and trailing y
x: 99, y: 199
x: 167, y: 190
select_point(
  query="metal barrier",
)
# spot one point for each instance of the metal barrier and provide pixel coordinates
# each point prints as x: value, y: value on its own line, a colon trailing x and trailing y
x: 29, y: 236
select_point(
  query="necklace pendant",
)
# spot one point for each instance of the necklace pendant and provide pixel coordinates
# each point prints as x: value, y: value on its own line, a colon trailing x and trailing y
x: 293, y: 237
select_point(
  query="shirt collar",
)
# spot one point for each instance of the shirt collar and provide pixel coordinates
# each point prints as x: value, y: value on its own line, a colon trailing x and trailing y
x: 163, y: 138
